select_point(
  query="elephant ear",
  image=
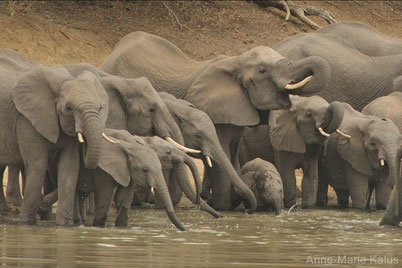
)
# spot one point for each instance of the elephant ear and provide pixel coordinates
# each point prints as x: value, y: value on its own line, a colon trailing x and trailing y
x: 285, y: 135
x: 34, y: 96
x: 218, y: 92
x: 352, y: 150
x: 114, y: 161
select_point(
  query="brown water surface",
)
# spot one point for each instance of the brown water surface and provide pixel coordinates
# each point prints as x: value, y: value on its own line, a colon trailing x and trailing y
x: 299, y: 239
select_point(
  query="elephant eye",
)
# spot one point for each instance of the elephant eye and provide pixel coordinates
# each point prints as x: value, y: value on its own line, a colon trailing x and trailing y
x: 100, y: 109
x: 198, y: 135
x: 145, y: 170
x: 69, y: 109
x: 308, y: 113
x: 262, y: 71
x: 152, y: 110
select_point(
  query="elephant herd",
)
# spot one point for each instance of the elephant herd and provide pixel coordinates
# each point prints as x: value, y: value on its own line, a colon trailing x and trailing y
x: 328, y: 102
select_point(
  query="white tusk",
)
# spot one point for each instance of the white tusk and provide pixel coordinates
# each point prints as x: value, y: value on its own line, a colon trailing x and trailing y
x: 109, y: 139
x: 80, y: 138
x: 181, y: 147
x: 323, y: 132
x: 209, y: 162
x: 300, y: 84
x: 152, y: 190
x: 382, y: 162
x: 343, y: 134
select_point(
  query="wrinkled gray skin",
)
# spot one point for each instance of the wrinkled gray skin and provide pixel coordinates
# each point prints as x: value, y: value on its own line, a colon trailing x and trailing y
x: 295, y: 142
x: 390, y: 107
x: 199, y: 133
x: 43, y: 110
x: 127, y: 165
x: 266, y: 183
x: 353, y: 166
x: 234, y: 91
x: 175, y: 172
x: 134, y: 105
x: 365, y: 38
x: 356, y: 78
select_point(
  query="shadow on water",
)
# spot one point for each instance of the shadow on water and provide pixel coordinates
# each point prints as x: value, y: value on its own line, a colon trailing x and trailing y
x: 299, y: 239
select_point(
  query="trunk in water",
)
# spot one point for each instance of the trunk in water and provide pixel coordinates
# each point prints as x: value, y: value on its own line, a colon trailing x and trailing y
x: 165, y: 197
x: 333, y: 117
x: 223, y: 162
x: 182, y: 178
x: 93, y: 140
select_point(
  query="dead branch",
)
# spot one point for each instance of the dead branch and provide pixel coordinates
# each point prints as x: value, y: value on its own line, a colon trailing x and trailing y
x: 300, y: 12
x: 173, y: 15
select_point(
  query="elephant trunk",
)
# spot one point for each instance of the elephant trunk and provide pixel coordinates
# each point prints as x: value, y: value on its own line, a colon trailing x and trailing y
x: 223, y: 162
x: 196, y: 175
x: 187, y: 188
x: 165, y: 197
x: 307, y: 76
x: 393, y: 159
x: 333, y: 117
x: 167, y: 127
x: 93, y: 139
x: 278, y: 207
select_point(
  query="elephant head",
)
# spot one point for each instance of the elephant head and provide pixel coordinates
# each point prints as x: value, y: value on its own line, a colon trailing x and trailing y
x: 132, y: 159
x: 170, y: 156
x: 55, y: 103
x: 235, y: 90
x: 199, y: 133
x: 374, y: 145
x: 309, y: 121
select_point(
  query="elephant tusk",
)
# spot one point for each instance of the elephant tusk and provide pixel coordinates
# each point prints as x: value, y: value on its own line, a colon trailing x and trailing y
x: 181, y: 147
x: 209, y: 162
x: 152, y: 190
x: 382, y: 162
x: 80, y: 138
x: 298, y: 85
x: 109, y: 139
x: 323, y: 132
x: 343, y: 134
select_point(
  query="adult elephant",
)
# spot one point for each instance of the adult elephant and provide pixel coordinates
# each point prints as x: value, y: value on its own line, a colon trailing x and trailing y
x: 390, y: 107
x: 234, y: 91
x: 43, y: 111
x: 366, y: 161
x: 356, y: 78
x: 365, y: 38
x: 296, y: 141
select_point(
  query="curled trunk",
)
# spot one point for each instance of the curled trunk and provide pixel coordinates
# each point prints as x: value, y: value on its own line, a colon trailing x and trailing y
x: 93, y: 140
x: 333, y: 117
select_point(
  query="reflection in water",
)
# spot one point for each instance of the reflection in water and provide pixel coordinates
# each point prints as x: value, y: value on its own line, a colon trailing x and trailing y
x: 237, y: 240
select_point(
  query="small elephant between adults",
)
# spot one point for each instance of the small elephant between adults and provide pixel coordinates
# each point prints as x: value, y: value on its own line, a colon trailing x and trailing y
x: 235, y: 91
x: 390, y: 107
x: 264, y: 180
x: 295, y: 141
x: 365, y: 162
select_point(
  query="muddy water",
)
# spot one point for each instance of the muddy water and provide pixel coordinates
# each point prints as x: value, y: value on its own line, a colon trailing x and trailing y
x: 299, y: 239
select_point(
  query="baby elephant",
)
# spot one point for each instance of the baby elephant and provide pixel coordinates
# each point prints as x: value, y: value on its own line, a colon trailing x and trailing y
x: 264, y: 180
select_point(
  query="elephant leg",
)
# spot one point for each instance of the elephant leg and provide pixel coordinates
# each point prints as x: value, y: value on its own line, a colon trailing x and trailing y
x: 67, y: 175
x: 310, y: 182
x: 286, y: 163
x: 77, y: 219
x: 382, y: 195
x: 229, y: 137
x: 91, y: 203
x: 322, y: 191
x: 122, y: 214
x: 343, y: 197
x: 358, y: 185
x: 13, y: 194
x: 3, y: 203
x: 104, y: 190
x: 390, y: 217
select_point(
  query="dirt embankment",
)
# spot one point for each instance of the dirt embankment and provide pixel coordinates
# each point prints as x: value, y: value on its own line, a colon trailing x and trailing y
x: 61, y: 32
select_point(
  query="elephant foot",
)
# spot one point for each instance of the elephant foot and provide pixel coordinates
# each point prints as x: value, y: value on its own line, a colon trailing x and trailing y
x: 380, y: 207
x: 27, y: 222
x: 14, y: 200
x: 44, y: 215
x: 306, y: 206
x: 78, y: 222
x: 122, y: 218
x: 393, y: 221
x: 100, y: 222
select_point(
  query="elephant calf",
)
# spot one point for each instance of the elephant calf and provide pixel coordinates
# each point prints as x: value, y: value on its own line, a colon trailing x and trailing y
x: 264, y: 180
